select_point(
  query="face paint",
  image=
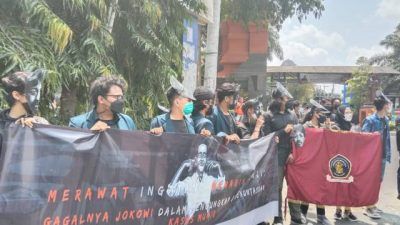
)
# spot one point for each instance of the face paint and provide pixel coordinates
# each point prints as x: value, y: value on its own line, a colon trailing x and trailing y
x: 32, y: 91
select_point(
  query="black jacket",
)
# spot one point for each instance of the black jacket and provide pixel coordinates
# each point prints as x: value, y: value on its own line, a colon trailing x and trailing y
x: 276, y: 122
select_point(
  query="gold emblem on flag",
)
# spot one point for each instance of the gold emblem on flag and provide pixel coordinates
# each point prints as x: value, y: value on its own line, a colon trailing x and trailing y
x: 340, y: 170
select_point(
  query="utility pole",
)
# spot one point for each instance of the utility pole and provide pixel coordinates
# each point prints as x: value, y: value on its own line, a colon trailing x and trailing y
x: 211, y: 63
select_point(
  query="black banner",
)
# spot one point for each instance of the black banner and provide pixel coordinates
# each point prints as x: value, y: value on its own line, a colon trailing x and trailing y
x: 62, y: 176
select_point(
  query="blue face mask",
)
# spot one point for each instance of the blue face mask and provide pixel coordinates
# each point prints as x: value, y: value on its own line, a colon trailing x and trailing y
x: 188, y: 108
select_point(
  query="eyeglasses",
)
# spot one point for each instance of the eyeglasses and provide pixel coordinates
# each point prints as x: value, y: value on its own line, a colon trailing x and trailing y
x: 118, y: 97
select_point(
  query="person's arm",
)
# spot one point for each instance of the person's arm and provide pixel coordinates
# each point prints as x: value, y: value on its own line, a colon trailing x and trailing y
x: 267, y: 129
x: 257, y: 130
x: 174, y: 188
x: 155, y: 127
x: 366, y: 126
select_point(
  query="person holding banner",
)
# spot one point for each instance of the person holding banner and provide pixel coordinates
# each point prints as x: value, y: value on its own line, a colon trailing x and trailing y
x: 107, y: 95
x: 379, y: 122
x: 177, y: 120
x: 344, y: 116
x: 203, y: 107
x: 225, y: 124
x: 281, y: 121
x: 316, y: 119
x: 22, y: 93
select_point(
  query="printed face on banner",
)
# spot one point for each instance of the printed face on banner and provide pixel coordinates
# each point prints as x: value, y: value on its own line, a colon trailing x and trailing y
x: 299, y: 135
x: 197, y: 187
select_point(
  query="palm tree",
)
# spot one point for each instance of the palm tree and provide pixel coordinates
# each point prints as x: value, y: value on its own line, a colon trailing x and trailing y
x: 78, y: 40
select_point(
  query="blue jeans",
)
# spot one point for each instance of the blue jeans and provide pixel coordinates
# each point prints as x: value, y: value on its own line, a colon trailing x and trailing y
x: 398, y: 180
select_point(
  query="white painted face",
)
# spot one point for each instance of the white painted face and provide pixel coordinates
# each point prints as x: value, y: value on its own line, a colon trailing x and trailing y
x: 201, y: 157
x: 299, y: 139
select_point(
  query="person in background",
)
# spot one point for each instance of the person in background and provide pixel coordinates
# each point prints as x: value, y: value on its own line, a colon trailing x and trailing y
x: 297, y: 110
x: 379, y: 122
x: 250, y: 121
x: 238, y: 108
x: 335, y: 103
x: 107, y: 96
x: 398, y: 149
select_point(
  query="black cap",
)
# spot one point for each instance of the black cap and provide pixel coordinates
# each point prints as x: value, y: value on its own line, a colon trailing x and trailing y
x: 228, y: 88
x: 203, y: 93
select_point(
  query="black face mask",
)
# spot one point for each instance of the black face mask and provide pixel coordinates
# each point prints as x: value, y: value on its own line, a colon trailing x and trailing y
x: 321, y: 119
x: 117, y: 106
x: 209, y: 111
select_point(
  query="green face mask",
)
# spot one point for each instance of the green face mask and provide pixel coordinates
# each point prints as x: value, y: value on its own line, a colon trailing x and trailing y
x: 188, y: 108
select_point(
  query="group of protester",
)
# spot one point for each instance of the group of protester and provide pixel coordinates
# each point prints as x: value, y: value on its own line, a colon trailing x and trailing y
x: 208, y: 113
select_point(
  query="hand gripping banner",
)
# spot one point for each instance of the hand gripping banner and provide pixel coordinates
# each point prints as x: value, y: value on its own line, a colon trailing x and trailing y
x: 336, y: 169
x: 62, y: 176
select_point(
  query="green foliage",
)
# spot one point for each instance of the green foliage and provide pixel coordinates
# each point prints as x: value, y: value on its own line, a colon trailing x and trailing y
x: 358, y: 84
x: 71, y: 40
x: 302, y: 92
x: 392, y: 43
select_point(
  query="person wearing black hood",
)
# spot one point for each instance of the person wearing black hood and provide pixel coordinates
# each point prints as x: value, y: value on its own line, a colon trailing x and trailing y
x: 22, y: 93
x: 344, y: 116
x: 281, y: 121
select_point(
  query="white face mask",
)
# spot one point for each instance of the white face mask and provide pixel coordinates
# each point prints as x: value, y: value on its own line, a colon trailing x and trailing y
x: 348, y: 117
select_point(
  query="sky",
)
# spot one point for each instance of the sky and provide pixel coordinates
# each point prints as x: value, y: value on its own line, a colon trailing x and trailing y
x: 347, y: 30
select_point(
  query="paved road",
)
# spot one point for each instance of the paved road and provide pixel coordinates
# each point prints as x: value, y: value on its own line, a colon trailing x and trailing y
x: 388, y: 200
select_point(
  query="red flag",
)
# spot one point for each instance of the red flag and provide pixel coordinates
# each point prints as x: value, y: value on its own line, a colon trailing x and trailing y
x: 336, y: 168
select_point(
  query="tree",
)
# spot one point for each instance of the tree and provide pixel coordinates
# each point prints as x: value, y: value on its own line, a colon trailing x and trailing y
x: 360, y: 79
x: 72, y: 40
x: 392, y: 43
x: 302, y: 92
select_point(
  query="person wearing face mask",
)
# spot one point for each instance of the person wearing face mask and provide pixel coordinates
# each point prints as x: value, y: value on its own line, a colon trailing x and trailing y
x: 379, y: 122
x: 203, y: 107
x: 250, y: 121
x: 177, y: 120
x: 281, y: 121
x: 335, y: 102
x: 316, y: 119
x: 107, y: 95
x: 225, y: 124
x: 344, y: 116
